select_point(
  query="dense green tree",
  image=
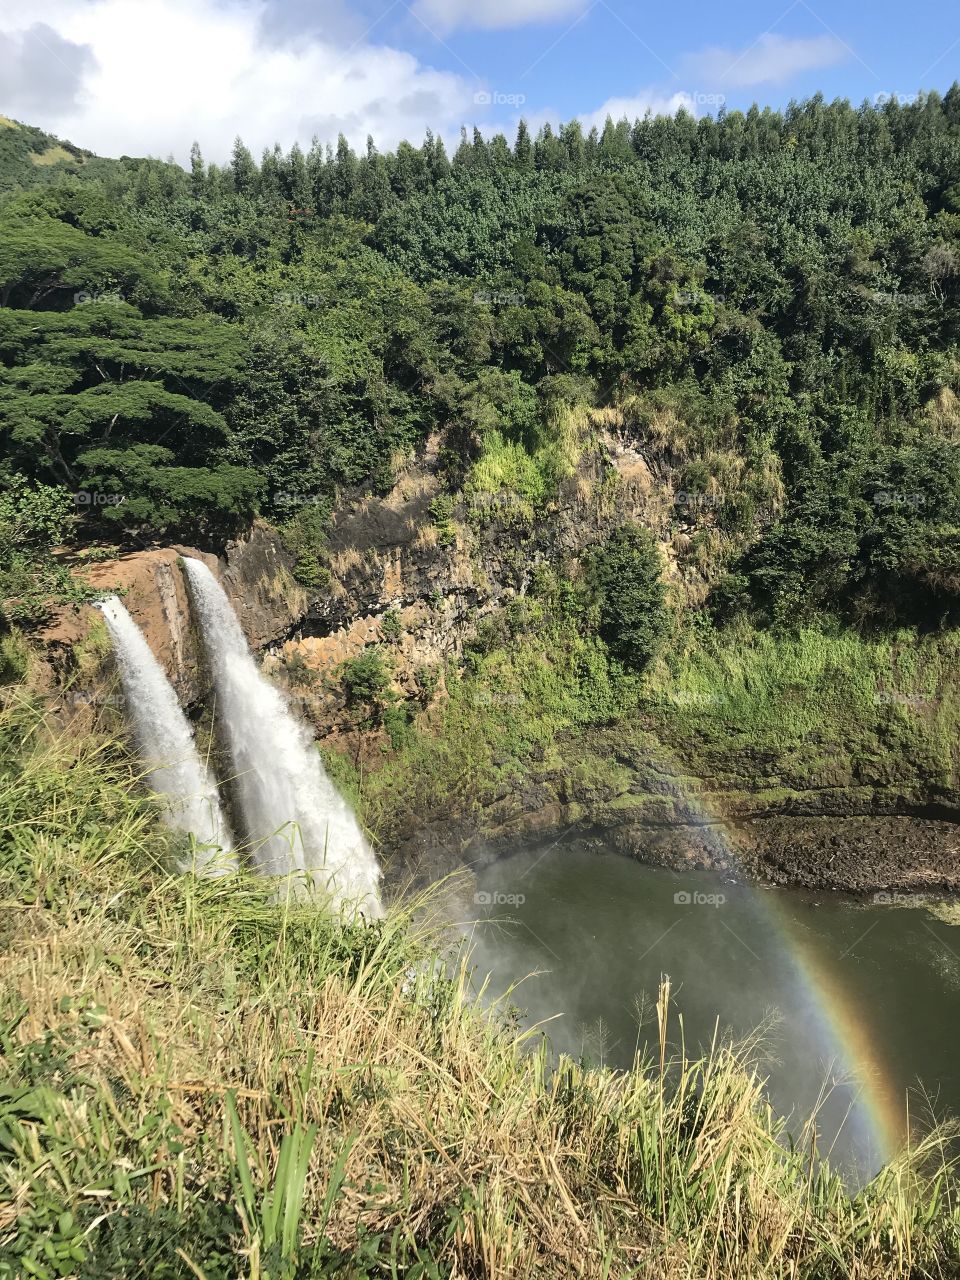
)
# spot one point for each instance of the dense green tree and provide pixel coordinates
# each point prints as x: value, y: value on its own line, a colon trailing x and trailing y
x: 780, y: 290
x: 626, y: 573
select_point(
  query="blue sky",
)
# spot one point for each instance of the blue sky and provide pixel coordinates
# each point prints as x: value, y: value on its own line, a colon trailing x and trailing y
x: 150, y: 76
x: 761, y: 50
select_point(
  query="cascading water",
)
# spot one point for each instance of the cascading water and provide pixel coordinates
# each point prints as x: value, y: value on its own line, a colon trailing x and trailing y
x: 295, y: 818
x: 165, y: 740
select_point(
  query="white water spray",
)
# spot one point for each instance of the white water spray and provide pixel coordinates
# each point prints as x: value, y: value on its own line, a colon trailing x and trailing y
x: 295, y: 819
x: 165, y: 740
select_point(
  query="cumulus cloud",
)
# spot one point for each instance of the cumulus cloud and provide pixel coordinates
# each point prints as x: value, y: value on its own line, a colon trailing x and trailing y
x: 657, y: 102
x: 773, y: 59
x: 39, y: 69
x: 291, y: 21
x: 149, y: 77
x: 492, y: 15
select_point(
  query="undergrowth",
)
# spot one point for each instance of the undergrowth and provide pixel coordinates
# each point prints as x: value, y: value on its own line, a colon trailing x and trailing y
x: 799, y: 702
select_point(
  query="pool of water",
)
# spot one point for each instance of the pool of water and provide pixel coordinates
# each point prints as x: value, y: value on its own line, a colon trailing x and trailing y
x: 863, y: 996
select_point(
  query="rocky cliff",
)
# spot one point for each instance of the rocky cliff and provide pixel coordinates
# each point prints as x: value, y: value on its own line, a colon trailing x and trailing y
x: 74, y: 665
x: 427, y: 571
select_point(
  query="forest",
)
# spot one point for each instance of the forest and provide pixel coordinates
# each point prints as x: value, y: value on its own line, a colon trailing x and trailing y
x: 181, y: 351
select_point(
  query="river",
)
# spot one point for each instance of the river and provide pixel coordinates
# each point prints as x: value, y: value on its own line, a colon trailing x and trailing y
x: 862, y: 994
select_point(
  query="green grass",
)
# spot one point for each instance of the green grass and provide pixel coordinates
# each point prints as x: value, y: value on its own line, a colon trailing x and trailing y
x: 507, y: 708
x: 201, y: 1082
x: 810, y: 699
x: 509, y: 474
x: 760, y: 709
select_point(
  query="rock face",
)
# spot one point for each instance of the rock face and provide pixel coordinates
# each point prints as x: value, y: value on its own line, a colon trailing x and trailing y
x: 76, y: 667
x: 619, y: 786
x: 418, y: 574
x: 442, y: 576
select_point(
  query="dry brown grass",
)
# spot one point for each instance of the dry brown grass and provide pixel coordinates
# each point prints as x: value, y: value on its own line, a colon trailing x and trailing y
x: 427, y: 536
x: 345, y: 561
x: 195, y: 1071
x: 943, y: 413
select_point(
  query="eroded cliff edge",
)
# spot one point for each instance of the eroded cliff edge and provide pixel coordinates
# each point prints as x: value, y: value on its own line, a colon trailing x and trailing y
x: 422, y: 575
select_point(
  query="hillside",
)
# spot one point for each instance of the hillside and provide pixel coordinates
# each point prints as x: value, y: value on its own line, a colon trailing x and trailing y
x: 30, y: 157
x: 594, y: 484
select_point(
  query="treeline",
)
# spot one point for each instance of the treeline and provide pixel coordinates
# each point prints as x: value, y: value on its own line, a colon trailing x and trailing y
x: 181, y: 349
x: 328, y: 180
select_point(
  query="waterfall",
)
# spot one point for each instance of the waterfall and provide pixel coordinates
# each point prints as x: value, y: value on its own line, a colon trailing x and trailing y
x: 295, y: 818
x: 165, y: 740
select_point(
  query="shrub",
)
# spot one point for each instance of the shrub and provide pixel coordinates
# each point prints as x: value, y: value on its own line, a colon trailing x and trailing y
x: 625, y: 573
x: 391, y: 627
x: 441, y: 513
x: 366, y: 683
x: 14, y: 657
x: 304, y: 535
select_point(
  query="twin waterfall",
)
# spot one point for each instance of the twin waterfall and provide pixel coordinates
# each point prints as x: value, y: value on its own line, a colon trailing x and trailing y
x: 293, y: 821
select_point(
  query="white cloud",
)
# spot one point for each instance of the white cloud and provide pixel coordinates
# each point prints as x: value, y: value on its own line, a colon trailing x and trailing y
x: 150, y: 76
x: 772, y: 59
x: 659, y: 103
x: 492, y: 15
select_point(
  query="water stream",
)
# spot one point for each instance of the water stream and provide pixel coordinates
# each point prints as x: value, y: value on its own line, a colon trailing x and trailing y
x: 166, y: 744
x: 294, y: 818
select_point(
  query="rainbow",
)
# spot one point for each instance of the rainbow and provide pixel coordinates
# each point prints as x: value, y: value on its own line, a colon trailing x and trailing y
x: 847, y: 1039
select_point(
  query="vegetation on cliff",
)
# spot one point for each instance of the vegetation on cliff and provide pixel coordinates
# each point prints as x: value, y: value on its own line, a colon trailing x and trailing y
x: 201, y: 1082
x: 763, y: 307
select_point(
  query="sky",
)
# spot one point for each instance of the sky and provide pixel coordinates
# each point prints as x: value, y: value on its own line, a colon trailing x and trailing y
x: 148, y: 77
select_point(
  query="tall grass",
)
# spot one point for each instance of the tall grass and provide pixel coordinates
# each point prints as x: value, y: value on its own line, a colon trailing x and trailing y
x: 813, y: 694
x: 200, y: 1082
x: 525, y: 477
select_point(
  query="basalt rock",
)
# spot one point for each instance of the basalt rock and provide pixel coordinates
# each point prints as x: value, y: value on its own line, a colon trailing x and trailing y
x: 75, y: 668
